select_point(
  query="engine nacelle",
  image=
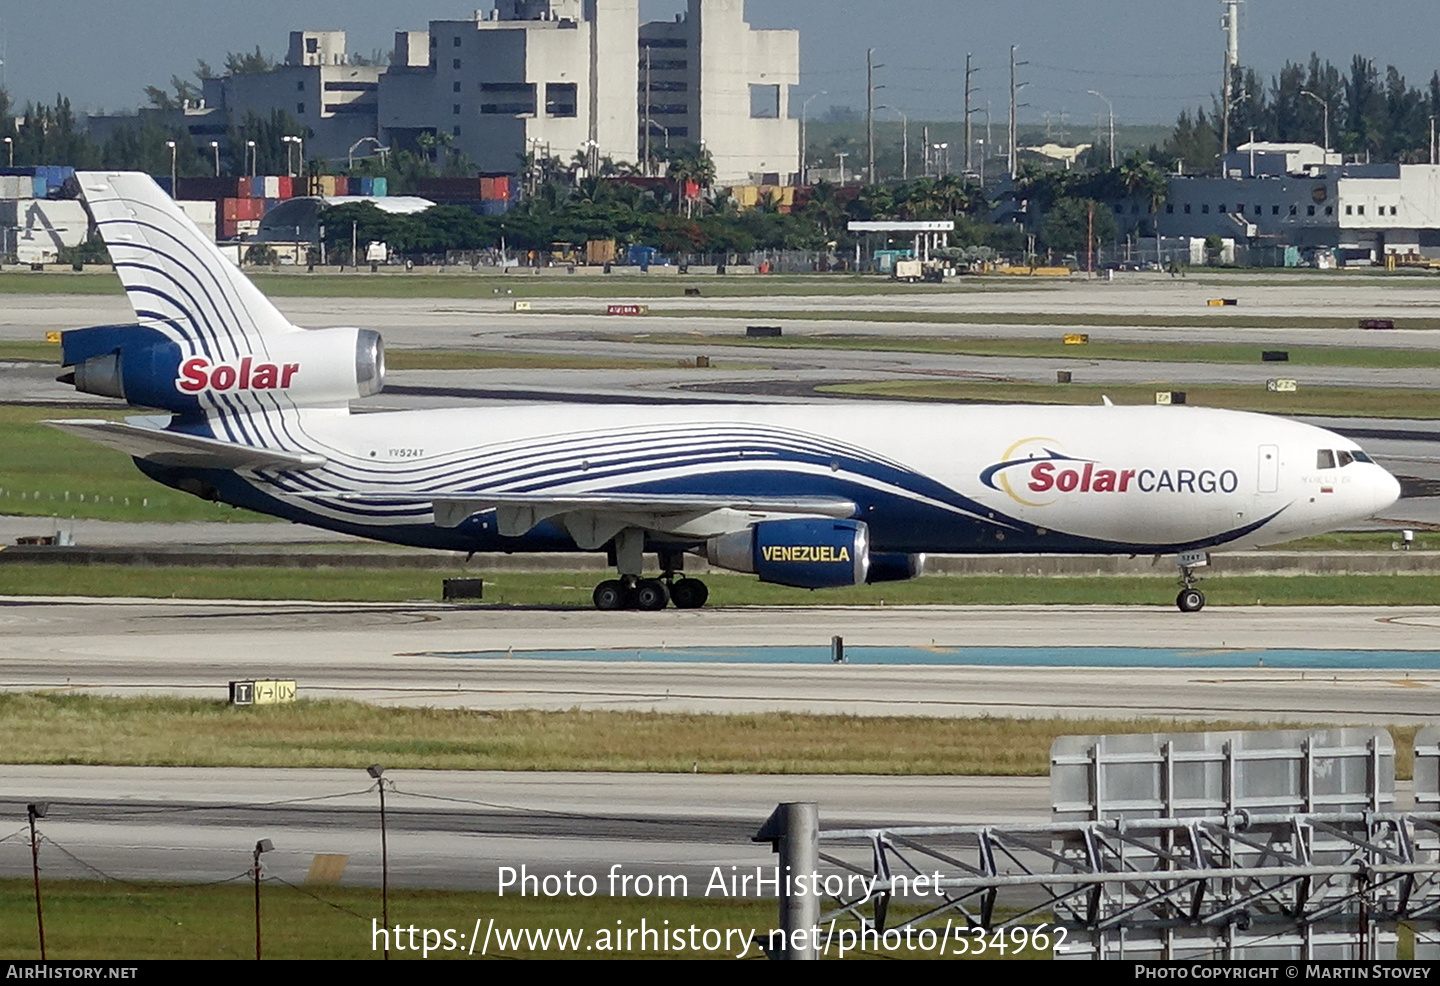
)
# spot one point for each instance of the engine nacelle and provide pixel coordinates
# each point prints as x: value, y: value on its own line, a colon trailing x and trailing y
x: 808, y: 554
x: 311, y: 367
x: 895, y: 568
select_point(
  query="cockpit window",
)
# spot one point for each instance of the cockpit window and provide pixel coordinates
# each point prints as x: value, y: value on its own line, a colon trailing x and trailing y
x: 1324, y: 459
x: 1360, y: 456
x: 1344, y: 457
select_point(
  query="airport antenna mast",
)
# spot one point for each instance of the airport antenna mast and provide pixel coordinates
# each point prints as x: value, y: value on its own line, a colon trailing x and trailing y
x: 1230, y: 24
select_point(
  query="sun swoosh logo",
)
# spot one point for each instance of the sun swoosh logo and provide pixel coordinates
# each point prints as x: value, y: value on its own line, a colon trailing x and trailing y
x: 995, y: 476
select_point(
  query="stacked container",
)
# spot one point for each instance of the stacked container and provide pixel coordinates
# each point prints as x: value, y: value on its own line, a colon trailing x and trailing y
x: 240, y: 216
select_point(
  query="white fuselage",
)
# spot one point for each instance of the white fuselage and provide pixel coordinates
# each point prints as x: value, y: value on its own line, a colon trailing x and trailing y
x: 924, y: 477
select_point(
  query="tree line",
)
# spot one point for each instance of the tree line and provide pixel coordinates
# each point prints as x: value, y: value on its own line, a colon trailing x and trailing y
x: 1374, y: 115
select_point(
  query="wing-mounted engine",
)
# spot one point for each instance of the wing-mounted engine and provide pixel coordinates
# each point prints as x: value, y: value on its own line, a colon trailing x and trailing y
x: 806, y: 553
x: 148, y: 368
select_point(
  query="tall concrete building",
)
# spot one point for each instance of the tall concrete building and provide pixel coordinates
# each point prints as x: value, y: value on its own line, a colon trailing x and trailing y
x: 547, y: 77
x: 553, y: 76
x: 317, y: 85
x: 708, y: 79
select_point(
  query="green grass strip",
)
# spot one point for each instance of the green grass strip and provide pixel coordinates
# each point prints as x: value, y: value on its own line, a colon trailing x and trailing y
x: 121, y: 920
x: 1200, y: 320
x: 345, y: 584
x: 47, y: 473
x: 67, y: 728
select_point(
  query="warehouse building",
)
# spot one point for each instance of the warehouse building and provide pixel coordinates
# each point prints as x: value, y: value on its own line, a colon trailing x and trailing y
x: 1299, y: 195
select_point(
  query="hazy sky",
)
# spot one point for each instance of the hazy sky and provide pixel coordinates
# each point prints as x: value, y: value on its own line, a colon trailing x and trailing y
x: 1150, y: 57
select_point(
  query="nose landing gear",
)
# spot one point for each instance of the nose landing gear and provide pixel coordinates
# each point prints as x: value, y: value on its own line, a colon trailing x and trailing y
x: 1190, y: 599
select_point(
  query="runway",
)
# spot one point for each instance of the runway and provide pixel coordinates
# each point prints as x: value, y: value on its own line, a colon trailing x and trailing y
x: 450, y: 829
x: 396, y: 655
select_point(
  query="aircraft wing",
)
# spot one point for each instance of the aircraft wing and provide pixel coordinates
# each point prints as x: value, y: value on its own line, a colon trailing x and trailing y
x: 170, y: 448
x: 594, y: 518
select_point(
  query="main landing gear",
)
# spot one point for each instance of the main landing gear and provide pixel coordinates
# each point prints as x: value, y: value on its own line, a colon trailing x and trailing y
x: 651, y: 595
x: 631, y: 591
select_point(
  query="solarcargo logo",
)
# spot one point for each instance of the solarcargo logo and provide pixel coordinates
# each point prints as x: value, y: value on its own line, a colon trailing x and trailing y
x: 1032, y: 468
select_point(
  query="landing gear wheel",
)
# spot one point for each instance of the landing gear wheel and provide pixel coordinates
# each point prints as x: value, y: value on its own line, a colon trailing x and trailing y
x: 1190, y: 600
x: 611, y: 594
x: 651, y: 595
x: 689, y: 594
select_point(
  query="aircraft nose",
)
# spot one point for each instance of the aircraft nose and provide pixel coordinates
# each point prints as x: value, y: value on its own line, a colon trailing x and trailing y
x: 1385, y: 490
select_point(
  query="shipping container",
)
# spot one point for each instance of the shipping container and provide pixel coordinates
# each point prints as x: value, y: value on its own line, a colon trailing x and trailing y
x: 270, y: 187
x: 17, y: 187
x: 199, y: 212
x: 342, y: 185
x: 206, y: 189
x: 382, y: 187
x: 362, y: 186
x: 495, y: 208
x: 450, y: 189
x: 286, y: 187
x: 487, y: 190
x: 38, y: 188
x: 600, y: 252
x: 502, y: 187
x: 228, y: 228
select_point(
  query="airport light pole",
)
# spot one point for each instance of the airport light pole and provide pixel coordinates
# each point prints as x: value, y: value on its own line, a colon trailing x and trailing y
x: 1324, y: 105
x: 250, y: 149
x: 376, y: 771
x: 264, y: 845
x: 215, y: 149
x: 1112, y: 124
x: 34, y: 811
x: 171, y: 144
x: 10, y: 146
x: 804, y: 167
x: 289, y: 142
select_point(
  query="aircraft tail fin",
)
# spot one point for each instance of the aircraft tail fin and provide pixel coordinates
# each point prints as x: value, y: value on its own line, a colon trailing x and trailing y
x: 175, y: 277
x: 205, y: 339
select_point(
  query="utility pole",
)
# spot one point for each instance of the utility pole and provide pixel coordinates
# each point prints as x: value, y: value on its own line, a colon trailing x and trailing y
x: 925, y: 147
x: 968, y: 90
x: 1013, y: 157
x: 1112, y: 125
x: 870, y: 111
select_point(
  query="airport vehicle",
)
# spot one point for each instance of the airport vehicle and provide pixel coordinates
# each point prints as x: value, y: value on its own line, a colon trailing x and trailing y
x: 815, y: 496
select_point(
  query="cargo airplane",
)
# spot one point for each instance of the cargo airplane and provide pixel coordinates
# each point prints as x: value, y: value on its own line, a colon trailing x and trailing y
x: 824, y: 495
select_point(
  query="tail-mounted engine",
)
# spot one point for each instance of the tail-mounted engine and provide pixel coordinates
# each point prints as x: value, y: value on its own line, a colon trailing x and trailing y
x: 316, y: 367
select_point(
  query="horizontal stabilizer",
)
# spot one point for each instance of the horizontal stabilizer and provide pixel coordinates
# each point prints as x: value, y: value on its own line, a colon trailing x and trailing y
x: 172, y: 448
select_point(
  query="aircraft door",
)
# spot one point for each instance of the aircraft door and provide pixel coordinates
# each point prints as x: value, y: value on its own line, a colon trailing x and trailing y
x: 1269, y: 471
